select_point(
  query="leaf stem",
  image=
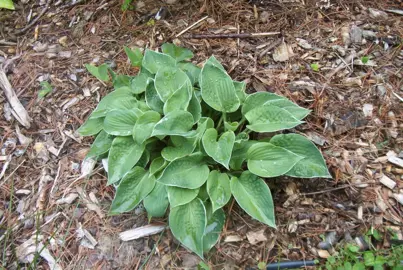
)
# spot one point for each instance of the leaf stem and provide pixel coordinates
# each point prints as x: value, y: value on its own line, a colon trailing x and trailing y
x: 220, y: 121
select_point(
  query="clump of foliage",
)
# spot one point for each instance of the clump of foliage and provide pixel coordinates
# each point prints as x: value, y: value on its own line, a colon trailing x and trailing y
x: 8, y: 4
x: 350, y: 257
x: 180, y: 136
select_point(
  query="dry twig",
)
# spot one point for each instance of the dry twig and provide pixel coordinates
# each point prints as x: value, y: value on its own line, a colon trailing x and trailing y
x: 243, y: 35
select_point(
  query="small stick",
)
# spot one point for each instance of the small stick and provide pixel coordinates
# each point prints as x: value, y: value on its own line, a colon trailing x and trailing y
x: 324, y: 191
x: 243, y: 35
x: 191, y: 26
x: 23, y: 30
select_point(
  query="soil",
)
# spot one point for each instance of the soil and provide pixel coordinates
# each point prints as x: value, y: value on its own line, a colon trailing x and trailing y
x: 356, y: 121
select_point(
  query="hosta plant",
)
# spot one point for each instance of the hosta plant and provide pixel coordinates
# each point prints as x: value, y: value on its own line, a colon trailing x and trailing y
x: 182, y: 139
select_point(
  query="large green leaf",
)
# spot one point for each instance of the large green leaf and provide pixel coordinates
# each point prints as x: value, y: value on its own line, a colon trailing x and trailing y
x: 153, y: 61
x: 219, y: 150
x: 194, y: 107
x: 8, y: 4
x: 178, y: 53
x: 186, y: 172
x: 312, y: 165
x: 179, y: 100
x: 239, y: 154
x: 253, y: 195
x: 257, y: 99
x: 169, y: 79
x: 135, y: 56
x: 153, y: 100
x: 215, y: 223
x: 180, y: 196
x: 181, y: 147
x: 144, y: 126
x: 156, y: 203
x: 174, y: 123
x: 121, y: 82
x: 218, y: 189
x: 139, y: 83
x: 101, y: 145
x: 157, y: 165
x: 218, y: 90
x: 121, y: 122
x: 269, y: 118
x: 133, y: 188
x: 214, y: 62
x: 99, y: 72
x: 295, y: 110
x: 268, y: 160
x: 123, y: 155
x: 91, y: 127
x: 191, y: 70
x: 187, y: 223
x: 119, y: 99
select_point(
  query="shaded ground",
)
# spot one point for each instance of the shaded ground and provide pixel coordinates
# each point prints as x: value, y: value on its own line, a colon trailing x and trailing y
x: 42, y: 164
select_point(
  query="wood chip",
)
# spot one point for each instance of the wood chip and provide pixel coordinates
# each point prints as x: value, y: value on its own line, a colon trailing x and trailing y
x: 232, y: 238
x: 387, y: 182
x: 18, y: 110
x: 141, y: 232
x: 395, y: 160
x: 323, y: 253
x: 256, y: 237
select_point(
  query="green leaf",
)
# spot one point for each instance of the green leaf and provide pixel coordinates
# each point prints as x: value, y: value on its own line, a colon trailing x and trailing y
x: 191, y: 70
x: 218, y: 188
x: 219, y: 150
x: 179, y: 100
x: 181, y: 147
x: 8, y: 4
x: 359, y: 266
x: 187, y: 223
x: 144, y: 126
x: 178, y: 53
x: 231, y: 126
x: 180, y: 196
x: 123, y: 155
x: 133, y: 188
x: 348, y: 266
x: 121, y: 82
x: 315, y: 66
x: 257, y: 99
x: 174, y: 123
x: 118, y: 99
x: 46, y: 89
x: 312, y: 165
x: 140, y: 83
x: 254, y: 197
x: 91, y: 127
x: 203, y: 266
x: 194, y: 107
x: 239, y: 154
x: 100, y: 72
x: 121, y: 122
x: 156, y: 203
x: 364, y: 59
x: 153, y: 100
x: 353, y: 248
x: 218, y: 90
x: 153, y: 61
x: 214, y: 62
x: 296, y: 111
x: 268, y: 160
x: 101, y: 145
x: 157, y: 165
x: 144, y: 159
x: 135, y: 56
x: 269, y: 118
x: 186, y: 172
x: 369, y: 258
x: 240, y: 88
x: 215, y: 223
x: 169, y: 79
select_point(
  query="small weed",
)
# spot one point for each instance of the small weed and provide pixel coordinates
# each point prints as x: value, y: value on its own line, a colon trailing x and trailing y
x: 46, y: 89
x: 315, y: 67
x: 349, y: 257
